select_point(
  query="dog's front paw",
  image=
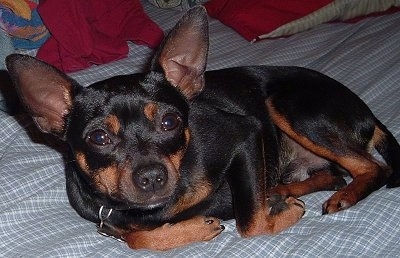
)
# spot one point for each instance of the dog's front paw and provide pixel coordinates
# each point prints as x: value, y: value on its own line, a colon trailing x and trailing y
x: 284, y: 212
x: 279, y: 203
x: 280, y: 213
x: 200, y: 228
x: 175, y: 235
x: 296, y: 206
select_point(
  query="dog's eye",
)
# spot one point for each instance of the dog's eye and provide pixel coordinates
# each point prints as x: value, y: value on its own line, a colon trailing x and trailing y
x: 170, y: 121
x: 99, y: 137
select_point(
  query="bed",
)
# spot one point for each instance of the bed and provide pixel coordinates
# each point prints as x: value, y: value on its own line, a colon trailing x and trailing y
x: 36, y: 219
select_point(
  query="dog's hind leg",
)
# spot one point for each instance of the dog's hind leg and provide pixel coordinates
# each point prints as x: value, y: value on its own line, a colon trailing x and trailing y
x: 346, y: 144
x: 320, y: 181
x: 368, y: 173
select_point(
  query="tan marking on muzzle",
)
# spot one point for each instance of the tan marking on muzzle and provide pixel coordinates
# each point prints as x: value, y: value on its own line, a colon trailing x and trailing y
x: 106, y: 179
x: 177, y: 157
x: 82, y: 163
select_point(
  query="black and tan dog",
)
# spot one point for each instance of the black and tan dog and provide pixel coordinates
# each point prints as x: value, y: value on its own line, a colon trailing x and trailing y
x: 157, y: 157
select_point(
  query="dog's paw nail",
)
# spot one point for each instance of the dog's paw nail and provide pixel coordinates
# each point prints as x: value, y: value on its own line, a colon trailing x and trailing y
x: 343, y: 204
x: 167, y: 225
x: 300, y: 204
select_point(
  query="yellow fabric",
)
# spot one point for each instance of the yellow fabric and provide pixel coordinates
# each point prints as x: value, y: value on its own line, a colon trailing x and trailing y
x: 19, y: 7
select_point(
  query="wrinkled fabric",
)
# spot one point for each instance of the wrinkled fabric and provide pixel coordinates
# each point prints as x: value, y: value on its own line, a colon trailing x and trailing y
x: 93, y: 32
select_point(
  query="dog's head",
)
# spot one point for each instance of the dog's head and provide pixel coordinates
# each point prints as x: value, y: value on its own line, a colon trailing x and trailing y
x: 128, y: 134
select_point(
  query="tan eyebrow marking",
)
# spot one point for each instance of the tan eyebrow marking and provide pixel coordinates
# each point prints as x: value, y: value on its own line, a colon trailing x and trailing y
x: 112, y: 123
x: 150, y: 110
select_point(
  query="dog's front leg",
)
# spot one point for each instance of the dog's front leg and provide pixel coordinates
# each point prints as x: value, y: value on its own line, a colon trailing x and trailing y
x: 170, y: 236
x: 256, y: 213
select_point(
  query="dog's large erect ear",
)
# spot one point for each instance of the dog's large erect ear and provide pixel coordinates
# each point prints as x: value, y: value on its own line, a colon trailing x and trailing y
x: 183, y: 55
x: 45, y: 91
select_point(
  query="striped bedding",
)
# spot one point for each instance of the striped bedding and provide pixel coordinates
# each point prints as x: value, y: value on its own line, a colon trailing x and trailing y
x: 36, y: 219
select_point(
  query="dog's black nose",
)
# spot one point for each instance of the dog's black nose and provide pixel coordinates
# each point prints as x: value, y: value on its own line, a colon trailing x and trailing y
x: 151, y: 178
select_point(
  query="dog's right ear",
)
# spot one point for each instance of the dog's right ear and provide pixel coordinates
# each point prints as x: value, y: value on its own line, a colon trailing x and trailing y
x: 44, y: 90
x: 183, y: 54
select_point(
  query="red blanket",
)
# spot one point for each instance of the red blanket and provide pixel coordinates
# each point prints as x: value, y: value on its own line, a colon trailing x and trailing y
x: 93, y: 32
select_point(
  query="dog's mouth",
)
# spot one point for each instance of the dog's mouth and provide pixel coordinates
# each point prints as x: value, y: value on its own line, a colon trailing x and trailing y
x: 149, y: 204
x: 155, y: 203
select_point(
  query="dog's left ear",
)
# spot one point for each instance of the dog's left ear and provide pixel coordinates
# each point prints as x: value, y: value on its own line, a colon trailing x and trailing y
x: 183, y: 54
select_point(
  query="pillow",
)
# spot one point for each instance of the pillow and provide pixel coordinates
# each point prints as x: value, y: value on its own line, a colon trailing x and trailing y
x: 256, y: 20
x: 179, y: 4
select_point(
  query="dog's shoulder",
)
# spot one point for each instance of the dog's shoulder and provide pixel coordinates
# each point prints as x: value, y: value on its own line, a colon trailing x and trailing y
x: 243, y: 90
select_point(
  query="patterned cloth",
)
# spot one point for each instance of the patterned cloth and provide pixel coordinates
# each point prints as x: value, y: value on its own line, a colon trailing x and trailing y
x: 25, y: 27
